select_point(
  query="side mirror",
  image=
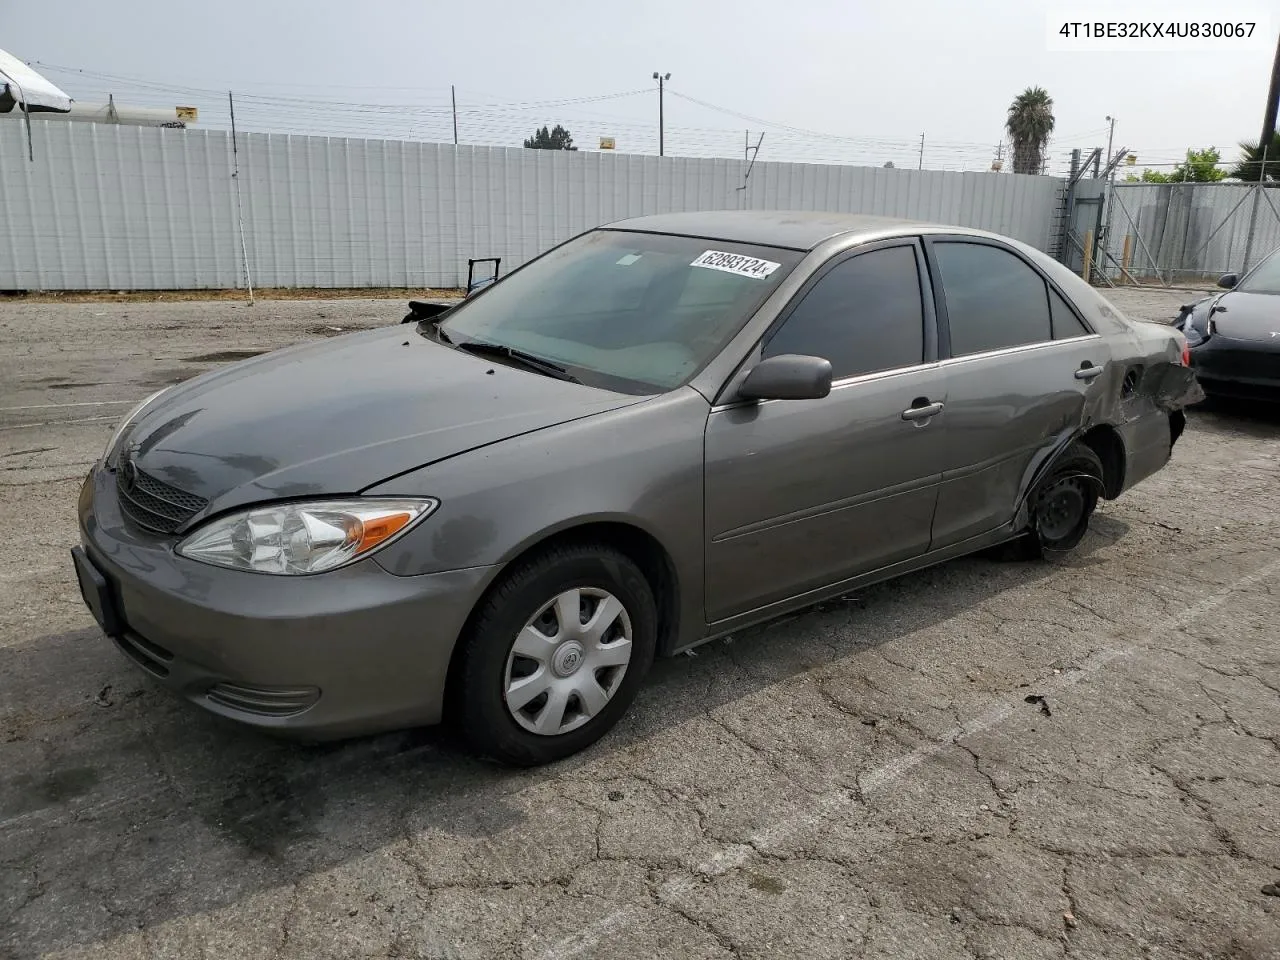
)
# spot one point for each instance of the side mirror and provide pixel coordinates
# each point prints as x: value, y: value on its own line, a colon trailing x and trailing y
x: 420, y: 310
x: 1228, y: 280
x: 788, y: 377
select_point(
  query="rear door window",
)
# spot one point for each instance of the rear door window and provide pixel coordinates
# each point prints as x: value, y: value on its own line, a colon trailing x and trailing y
x: 994, y: 299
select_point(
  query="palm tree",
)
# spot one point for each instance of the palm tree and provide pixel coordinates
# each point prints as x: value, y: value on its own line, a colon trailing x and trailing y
x: 1030, y: 123
x: 1250, y: 167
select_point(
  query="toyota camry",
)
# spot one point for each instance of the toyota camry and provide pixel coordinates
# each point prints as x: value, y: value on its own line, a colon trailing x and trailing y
x: 657, y: 433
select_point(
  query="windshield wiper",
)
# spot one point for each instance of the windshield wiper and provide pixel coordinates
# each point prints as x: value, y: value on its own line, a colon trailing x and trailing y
x: 482, y: 348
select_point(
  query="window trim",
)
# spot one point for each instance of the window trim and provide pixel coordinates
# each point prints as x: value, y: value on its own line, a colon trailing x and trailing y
x: 927, y: 316
x: 945, y: 353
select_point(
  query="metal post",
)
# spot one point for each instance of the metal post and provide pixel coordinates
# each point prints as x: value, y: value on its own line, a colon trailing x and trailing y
x: 662, y: 78
x: 920, y: 165
x: 1253, y: 215
x: 235, y: 175
x: 1104, y: 239
x: 26, y: 115
x: 453, y: 97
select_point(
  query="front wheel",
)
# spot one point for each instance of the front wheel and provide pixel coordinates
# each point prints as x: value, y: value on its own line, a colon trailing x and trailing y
x: 555, y: 654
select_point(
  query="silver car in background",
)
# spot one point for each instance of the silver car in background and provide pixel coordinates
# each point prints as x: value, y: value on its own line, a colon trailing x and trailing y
x: 657, y: 433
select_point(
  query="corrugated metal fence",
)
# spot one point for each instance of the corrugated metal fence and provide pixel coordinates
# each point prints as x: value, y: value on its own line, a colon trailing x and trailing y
x: 1189, y: 232
x: 119, y: 207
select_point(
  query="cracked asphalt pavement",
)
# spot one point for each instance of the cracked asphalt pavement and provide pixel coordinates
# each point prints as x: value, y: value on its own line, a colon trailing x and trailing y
x: 1078, y: 757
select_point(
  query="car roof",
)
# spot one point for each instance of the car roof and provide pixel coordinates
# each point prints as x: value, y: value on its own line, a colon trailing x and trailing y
x: 794, y: 229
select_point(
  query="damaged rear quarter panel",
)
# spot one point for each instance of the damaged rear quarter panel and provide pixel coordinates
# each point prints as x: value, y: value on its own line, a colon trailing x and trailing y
x: 1153, y: 386
x: 1140, y: 395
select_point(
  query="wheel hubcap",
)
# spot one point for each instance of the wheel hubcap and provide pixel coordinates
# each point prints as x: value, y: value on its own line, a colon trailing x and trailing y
x: 568, y: 661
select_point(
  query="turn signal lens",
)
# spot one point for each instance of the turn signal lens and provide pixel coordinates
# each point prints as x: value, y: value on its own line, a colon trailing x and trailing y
x: 302, y: 538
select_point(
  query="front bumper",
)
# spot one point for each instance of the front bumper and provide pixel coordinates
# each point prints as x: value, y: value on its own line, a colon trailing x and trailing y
x: 1225, y: 365
x: 349, y: 652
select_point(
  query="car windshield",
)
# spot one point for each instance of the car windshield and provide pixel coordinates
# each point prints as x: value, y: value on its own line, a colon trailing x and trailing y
x: 634, y: 312
x: 1265, y: 278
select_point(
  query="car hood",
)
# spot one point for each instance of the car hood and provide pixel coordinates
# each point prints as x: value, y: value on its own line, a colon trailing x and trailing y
x: 339, y: 415
x: 1249, y: 316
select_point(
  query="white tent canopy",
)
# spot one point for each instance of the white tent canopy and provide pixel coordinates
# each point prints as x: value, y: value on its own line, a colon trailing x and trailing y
x: 21, y: 86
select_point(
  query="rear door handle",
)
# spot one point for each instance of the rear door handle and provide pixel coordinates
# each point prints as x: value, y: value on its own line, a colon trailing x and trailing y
x: 1087, y: 371
x: 922, y: 412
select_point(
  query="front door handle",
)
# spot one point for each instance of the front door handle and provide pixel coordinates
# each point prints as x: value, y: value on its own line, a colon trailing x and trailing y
x: 1087, y: 371
x: 924, y: 411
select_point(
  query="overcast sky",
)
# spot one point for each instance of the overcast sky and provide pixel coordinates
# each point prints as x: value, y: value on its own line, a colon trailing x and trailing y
x: 876, y: 74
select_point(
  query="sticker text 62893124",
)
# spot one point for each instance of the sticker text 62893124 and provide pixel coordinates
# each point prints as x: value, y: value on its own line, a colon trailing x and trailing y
x: 736, y: 263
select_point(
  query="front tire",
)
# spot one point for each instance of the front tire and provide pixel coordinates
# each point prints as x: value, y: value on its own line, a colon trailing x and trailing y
x: 555, y: 654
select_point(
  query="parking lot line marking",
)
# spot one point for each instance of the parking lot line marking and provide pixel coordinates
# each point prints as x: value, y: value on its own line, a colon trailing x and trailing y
x: 51, y: 423
x: 736, y: 855
x: 78, y: 403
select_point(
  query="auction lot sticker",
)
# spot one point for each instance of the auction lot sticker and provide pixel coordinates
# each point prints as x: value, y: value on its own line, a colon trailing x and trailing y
x: 752, y: 267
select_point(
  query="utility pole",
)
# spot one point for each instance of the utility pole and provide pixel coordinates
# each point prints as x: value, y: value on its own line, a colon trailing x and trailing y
x: 998, y: 164
x: 1253, y: 215
x: 1110, y: 136
x: 1105, y: 238
x: 662, y: 78
x: 235, y: 175
x: 920, y: 165
x: 1269, y: 116
x: 753, y: 153
x: 453, y: 97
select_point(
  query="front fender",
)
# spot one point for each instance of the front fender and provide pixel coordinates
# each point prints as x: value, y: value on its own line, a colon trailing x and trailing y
x: 641, y: 465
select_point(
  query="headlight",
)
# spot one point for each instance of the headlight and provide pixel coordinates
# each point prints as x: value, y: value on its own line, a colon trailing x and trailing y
x: 302, y: 538
x: 125, y: 423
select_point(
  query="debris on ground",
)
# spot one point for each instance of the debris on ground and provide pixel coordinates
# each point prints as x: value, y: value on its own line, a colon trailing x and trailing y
x: 103, y: 699
x: 1037, y: 699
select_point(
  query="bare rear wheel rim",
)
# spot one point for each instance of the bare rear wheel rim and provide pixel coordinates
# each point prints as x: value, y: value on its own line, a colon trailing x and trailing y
x: 1062, y: 508
x: 568, y: 661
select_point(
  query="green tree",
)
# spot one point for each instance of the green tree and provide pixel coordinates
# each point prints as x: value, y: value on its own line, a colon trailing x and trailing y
x: 554, y: 139
x: 1200, y: 166
x: 1030, y: 122
x: 1150, y: 176
x: 1250, y: 166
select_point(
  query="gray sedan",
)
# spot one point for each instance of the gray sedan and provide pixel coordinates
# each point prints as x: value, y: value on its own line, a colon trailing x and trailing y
x: 657, y: 433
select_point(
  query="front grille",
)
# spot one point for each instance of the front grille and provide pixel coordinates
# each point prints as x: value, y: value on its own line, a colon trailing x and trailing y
x: 154, y: 504
x: 263, y: 701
